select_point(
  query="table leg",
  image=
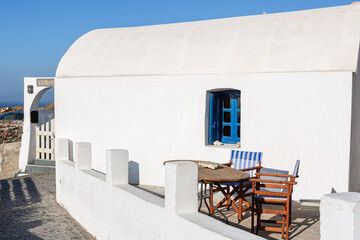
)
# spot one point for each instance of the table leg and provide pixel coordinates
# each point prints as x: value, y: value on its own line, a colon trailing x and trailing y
x: 213, y: 208
x: 201, y: 195
x: 206, y: 198
x: 211, y: 198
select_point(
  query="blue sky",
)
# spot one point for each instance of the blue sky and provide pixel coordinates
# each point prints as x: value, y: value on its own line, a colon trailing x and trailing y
x: 35, y: 34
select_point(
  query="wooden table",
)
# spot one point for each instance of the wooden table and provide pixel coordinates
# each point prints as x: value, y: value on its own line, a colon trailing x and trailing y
x: 216, y: 176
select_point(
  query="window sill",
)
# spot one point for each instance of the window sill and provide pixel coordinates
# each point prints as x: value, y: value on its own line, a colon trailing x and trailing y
x: 229, y: 146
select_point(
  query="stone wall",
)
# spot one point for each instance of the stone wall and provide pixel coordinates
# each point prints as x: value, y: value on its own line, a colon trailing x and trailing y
x: 9, y: 159
x: 10, y: 131
x: 10, y: 141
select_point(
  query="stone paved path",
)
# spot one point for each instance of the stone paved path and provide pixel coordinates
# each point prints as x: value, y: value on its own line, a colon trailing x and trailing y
x: 28, y: 210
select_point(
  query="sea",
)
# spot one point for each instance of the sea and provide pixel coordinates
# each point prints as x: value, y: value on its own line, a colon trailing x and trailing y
x: 11, y: 104
x: 13, y: 100
x: 14, y: 104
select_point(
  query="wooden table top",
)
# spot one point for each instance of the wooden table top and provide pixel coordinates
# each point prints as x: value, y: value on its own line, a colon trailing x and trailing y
x: 222, y: 173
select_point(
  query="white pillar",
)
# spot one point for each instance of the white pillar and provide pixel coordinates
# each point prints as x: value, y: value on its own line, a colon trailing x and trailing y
x: 82, y: 155
x: 117, y: 166
x: 181, y: 187
x: 31, y: 103
x: 62, y: 149
x: 340, y: 216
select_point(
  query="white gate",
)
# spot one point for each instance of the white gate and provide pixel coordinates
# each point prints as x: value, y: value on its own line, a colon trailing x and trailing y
x: 45, y: 141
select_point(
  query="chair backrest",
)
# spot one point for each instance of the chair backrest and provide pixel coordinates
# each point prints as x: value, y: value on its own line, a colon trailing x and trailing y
x: 276, y: 178
x: 244, y: 159
x: 296, y: 168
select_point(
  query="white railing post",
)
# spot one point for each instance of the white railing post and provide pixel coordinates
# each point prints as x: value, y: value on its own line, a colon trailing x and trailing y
x: 37, y: 142
x: 82, y: 157
x: 117, y: 166
x: 340, y: 216
x: 52, y: 139
x: 62, y: 149
x: 181, y: 187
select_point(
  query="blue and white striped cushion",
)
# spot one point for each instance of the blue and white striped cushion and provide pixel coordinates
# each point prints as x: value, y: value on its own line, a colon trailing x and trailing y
x: 244, y: 159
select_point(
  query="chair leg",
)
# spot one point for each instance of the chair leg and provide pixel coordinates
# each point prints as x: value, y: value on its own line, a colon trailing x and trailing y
x: 240, y: 192
x: 290, y: 210
x: 252, y: 214
x: 240, y: 207
x: 228, y: 202
x: 258, y: 222
x: 287, y: 226
x: 287, y: 220
x: 283, y: 225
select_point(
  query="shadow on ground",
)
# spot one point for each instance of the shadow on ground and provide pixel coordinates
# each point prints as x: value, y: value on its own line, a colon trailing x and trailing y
x: 13, y: 210
x: 28, y: 210
x: 305, y: 221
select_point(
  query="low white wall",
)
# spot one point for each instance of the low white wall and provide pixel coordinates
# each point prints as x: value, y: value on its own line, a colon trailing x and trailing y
x: 287, y: 116
x: 109, y: 208
x: 340, y: 216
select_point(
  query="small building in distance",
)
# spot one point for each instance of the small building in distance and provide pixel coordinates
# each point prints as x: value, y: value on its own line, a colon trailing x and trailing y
x: 285, y: 84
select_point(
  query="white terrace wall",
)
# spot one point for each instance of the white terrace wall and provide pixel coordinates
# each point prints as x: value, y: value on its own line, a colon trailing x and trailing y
x: 288, y: 116
x: 109, y: 208
x: 340, y: 216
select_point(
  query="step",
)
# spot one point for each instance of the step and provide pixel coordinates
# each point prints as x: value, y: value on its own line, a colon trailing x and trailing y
x: 39, y: 168
x: 44, y: 162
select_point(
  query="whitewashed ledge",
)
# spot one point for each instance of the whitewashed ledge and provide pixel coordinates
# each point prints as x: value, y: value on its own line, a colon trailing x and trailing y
x: 109, y: 208
x: 340, y: 216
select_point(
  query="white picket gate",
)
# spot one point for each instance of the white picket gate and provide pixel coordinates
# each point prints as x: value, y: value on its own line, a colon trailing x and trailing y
x: 45, y: 141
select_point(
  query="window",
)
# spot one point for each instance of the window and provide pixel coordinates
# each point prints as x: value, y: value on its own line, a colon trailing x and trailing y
x: 224, y: 117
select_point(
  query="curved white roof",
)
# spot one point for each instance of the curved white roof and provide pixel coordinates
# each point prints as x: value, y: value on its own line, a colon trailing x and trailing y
x: 324, y: 39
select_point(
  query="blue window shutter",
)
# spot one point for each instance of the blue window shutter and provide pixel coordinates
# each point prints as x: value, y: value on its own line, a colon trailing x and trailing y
x: 215, y: 117
x: 230, y: 138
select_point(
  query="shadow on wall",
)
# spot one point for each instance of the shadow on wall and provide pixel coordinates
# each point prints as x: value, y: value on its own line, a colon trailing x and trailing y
x: 134, y: 173
x: 354, y: 168
x: 71, y: 150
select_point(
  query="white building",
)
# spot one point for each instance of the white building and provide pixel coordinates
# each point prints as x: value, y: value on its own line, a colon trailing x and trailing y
x: 148, y: 89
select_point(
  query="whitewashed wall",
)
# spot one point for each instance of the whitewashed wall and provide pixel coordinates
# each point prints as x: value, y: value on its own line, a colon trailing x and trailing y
x: 340, y: 216
x: 31, y: 103
x: 109, y: 208
x: 288, y: 116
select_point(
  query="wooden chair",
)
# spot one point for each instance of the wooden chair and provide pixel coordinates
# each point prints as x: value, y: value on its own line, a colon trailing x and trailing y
x: 273, y: 189
x: 245, y: 161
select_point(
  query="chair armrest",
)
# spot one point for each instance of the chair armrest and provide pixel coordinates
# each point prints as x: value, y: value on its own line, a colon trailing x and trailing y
x: 227, y: 164
x: 271, y: 181
x: 273, y: 175
x: 252, y: 168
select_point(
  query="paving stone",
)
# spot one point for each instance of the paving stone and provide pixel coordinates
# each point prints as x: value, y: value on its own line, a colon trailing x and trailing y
x: 28, y: 210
